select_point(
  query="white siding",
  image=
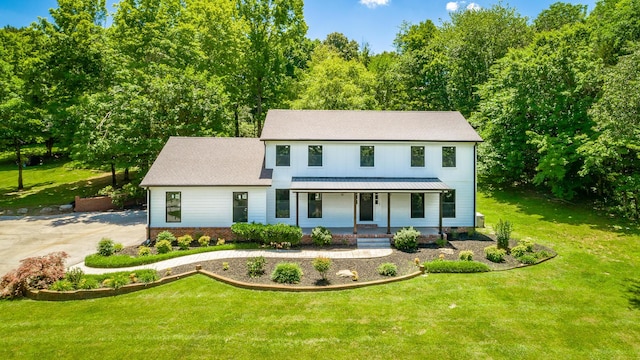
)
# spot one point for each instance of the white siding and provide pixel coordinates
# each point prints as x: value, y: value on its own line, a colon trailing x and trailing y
x: 206, y: 206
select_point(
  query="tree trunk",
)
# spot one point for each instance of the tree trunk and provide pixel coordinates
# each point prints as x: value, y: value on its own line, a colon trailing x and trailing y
x: 126, y: 175
x: 18, y: 148
x: 236, y: 118
x: 113, y: 175
x: 637, y: 202
x: 49, y: 145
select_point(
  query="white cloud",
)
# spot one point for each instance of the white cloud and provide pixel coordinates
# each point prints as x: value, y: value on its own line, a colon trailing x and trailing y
x: 474, y: 7
x: 372, y: 4
x: 452, y: 6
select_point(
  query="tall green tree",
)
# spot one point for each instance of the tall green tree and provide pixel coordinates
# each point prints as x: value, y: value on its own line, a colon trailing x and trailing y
x: 276, y: 30
x: 614, y: 26
x: 338, y: 42
x: 558, y: 15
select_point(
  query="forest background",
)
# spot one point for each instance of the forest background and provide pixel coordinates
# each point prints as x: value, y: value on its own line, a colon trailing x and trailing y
x: 556, y: 98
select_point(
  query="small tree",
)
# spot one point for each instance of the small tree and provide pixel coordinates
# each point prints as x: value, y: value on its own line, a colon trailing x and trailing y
x: 503, y: 233
x: 322, y: 265
x: 36, y: 273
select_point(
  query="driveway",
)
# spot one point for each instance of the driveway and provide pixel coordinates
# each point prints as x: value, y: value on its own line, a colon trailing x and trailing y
x: 77, y: 234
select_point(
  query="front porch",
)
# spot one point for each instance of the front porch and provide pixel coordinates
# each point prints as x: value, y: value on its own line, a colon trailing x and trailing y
x: 346, y: 236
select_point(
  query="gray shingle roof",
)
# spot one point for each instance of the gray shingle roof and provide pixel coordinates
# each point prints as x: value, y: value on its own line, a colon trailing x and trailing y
x: 207, y: 161
x: 441, y: 126
x: 367, y: 184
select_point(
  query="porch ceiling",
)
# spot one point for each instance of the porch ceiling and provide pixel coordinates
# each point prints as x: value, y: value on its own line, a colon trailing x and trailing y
x: 367, y: 184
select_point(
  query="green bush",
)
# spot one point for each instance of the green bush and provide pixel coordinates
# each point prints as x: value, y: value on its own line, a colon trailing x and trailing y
x: 518, y: 250
x: 494, y: 254
x: 542, y: 254
x: 527, y: 259
x: 147, y: 276
x: 387, y: 269
x: 166, y: 235
x: 62, y: 285
x: 528, y: 244
x: 144, y: 251
x: 441, y: 242
x: 287, y: 273
x: 466, y: 255
x: 116, y: 280
x: 184, y: 242
x: 447, y: 266
x: 322, y: 265
x: 406, y: 239
x: 247, y: 231
x: 163, y: 246
x: 117, y: 247
x: 106, y: 247
x: 74, y: 276
x: 321, y: 236
x: 281, y: 233
x: 503, y: 233
x: 204, y: 240
x: 88, y: 283
x: 255, y: 266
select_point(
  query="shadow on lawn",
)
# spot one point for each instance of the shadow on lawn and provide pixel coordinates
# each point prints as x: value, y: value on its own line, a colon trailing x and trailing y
x: 551, y: 209
x: 633, y: 289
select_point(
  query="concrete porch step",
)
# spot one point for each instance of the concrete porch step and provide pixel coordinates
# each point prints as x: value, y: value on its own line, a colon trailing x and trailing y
x: 373, y: 243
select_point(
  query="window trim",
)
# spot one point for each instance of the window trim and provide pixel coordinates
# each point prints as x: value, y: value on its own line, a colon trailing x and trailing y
x: 422, y: 158
x: 233, y: 206
x: 166, y: 206
x: 446, y: 161
x: 373, y: 156
x: 288, y: 155
x: 317, y: 201
x: 315, y: 156
x: 288, y: 200
x: 422, y: 214
x: 451, y: 213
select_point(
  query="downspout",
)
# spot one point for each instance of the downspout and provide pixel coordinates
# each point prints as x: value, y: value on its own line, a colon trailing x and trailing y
x: 149, y: 215
x: 475, y: 184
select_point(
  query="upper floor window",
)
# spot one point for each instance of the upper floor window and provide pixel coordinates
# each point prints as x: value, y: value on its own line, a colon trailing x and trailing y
x: 449, y: 204
x: 417, y: 156
x: 240, y: 207
x: 448, y: 156
x: 282, y: 203
x: 367, y: 156
x: 283, y: 155
x: 315, y: 155
x: 417, y: 205
x: 174, y: 207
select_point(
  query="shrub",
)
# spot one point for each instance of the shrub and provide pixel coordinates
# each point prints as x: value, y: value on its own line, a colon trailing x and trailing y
x: 287, y: 273
x: 87, y: 283
x: 494, y: 254
x: 322, y: 265
x: 542, y: 254
x: 466, y: 255
x: 184, y: 242
x: 106, y: 247
x: 225, y: 266
x: 116, y: 281
x: 503, y: 233
x: 447, y: 266
x: 387, y: 269
x: 62, y: 285
x: 204, y: 240
x: 255, y: 266
x: 518, y: 250
x: 117, y: 247
x: 147, y: 276
x: 74, y: 276
x: 220, y: 241
x: 144, y: 251
x: 281, y: 233
x: 441, y: 242
x: 406, y: 239
x: 166, y: 235
x: 163, y: 246
x: 527, y: 244
x: 321, y: 236
x: 36, y: 272
x: 247, y: 231
x: 527, y: 259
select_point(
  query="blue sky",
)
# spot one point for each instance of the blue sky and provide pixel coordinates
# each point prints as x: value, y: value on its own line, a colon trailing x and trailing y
x: 373, y: 21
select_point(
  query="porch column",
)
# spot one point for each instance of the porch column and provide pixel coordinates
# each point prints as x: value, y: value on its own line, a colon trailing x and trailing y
x: 297, y: 206
x: 440, y: 216
x: 355, y: 201
x: 388, y: 213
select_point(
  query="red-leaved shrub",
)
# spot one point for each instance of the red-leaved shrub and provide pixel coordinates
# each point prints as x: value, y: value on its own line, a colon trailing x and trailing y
x: 36, y: 273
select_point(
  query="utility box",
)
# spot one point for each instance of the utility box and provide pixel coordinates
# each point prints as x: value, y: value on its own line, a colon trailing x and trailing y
x: 479, y: 220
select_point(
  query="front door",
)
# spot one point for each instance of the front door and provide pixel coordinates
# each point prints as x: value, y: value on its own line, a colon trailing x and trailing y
x: 366, y: 207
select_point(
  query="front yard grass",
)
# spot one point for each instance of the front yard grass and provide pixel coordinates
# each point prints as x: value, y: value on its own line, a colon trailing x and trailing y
x: 581, y: 304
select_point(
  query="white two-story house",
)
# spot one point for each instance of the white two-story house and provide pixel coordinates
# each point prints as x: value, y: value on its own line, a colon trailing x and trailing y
x: 345, y: 170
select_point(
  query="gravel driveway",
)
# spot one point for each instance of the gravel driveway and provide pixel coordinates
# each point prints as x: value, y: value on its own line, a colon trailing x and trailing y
x: 77, y: 234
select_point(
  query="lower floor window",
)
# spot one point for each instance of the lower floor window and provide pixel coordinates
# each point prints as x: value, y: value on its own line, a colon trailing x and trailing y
x: 314, y: 205
x: 174, y: 207
x: 282, y: 203
x: 240, y: 206
x: 417, y: 206
x: 449, y: 204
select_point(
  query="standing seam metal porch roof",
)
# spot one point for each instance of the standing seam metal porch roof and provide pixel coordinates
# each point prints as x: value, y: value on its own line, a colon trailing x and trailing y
x: 374, y: 184
x: 362, y: 125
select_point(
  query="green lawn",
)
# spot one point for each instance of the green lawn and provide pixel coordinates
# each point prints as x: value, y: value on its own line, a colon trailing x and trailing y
x: 579, y: 305
x: 53, y: 183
